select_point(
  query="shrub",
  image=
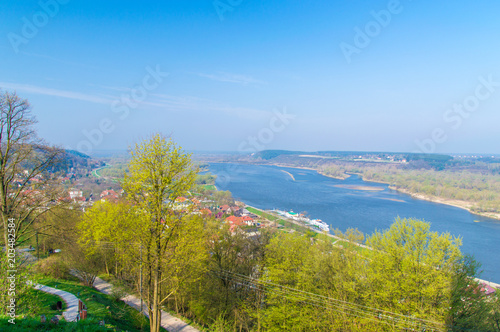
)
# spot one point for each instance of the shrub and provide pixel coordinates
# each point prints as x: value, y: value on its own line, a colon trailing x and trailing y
x: 52, y: 266
x: 118, y: 293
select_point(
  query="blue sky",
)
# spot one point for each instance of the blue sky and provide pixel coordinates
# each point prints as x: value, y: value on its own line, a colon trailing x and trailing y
x: 234, y: 64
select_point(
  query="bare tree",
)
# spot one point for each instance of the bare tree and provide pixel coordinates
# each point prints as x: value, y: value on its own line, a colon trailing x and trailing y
x: 26, y: 163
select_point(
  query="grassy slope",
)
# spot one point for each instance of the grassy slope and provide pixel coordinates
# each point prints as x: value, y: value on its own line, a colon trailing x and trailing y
x: 304, y: 229
x: 117, y: 315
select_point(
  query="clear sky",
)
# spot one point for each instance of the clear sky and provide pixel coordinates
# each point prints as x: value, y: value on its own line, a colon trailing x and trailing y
x: 341, y: 75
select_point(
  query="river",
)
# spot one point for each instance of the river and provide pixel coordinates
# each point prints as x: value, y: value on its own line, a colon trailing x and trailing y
x: 354, y: 203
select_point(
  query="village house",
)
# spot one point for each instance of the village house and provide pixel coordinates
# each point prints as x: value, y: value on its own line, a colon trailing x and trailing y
x: 109, y: 192
x: 225, y: 208
x: 248, y: 220
x: 109, y: 195
x: 75, y: 194
x: 206, y: 212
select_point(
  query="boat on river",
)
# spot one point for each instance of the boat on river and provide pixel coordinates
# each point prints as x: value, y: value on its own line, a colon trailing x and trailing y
x: 317, y: 223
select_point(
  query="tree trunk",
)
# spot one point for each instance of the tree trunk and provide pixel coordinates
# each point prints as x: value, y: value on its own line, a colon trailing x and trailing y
x: 155, y: 316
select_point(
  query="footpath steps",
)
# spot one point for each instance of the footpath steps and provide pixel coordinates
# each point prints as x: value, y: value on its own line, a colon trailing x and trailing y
x: 168, y: 322
x: 71, y: 312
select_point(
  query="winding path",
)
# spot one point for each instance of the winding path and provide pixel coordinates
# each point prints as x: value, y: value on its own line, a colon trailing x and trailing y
x: 168, y: 322
x: 71, y: 312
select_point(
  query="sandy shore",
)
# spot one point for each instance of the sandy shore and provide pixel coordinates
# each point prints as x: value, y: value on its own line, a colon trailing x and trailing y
x: 290, y: 174
x: 355, y: 187
x: 452, y: 202
x: 456, y: 203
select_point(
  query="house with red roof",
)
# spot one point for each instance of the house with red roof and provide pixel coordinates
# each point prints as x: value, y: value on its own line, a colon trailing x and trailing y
x: 486, y: 289
x: 248, y: 220
x: 206, y: 212
x: 110, y: 192
x: 225, y: 208
x: 109, y: 195
x: 180, y: 199
x: 237, y: 221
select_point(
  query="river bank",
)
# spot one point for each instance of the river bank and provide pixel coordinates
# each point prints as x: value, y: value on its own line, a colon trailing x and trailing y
x: 268, y: 188
x: 307, y: 168
x: 456, y: 203
x: 440, y: 200
x: 342, y: 241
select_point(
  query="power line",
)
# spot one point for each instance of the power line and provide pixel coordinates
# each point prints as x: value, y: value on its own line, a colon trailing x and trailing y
x: 343, y: 307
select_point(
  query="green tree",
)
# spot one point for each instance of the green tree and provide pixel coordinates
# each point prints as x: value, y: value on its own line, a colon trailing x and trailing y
x: 411, y: 269
x: 289, y: 263
x: 109, y: 229
x: 469, y: 308
x: 158, y: 173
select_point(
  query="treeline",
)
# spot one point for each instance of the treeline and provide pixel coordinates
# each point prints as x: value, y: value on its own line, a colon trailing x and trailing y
x: 115, y: 171
x: 205, y: 178
x: 474, y: 182
x: 236, y: 279
x: 414, y: 279
x: 481, y: 189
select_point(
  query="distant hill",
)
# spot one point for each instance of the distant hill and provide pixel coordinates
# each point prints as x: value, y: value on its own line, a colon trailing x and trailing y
x: 75, y: 162
x: 270, y: 154
x: 413, y: 160
x: 71, y: 153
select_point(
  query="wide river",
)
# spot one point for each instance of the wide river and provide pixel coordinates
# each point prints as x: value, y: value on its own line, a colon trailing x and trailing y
x: 342, y: 204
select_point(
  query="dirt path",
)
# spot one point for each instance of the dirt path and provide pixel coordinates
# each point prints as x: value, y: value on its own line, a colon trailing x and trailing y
x: 168, y: 322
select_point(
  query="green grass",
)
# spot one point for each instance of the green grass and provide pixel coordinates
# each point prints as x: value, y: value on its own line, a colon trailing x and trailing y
x: 40, y: 303
x: 117, y: 315
x: 305, y: 230
x: 263, y: 214
x: 286, y: 223
x: 129, y: 290
x: 209, y: 187
x: 96, y: 171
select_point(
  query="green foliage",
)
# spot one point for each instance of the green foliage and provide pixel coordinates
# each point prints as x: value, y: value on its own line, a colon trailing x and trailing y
x: 205, y: 178
x: 270, y: 154
x: 52, y: 266
x: 415, y: 266
x: 480, y: 189
x: 409, y: 273
x: 158, y: 173
x: 483, y: 190
x: 467, y: 311
x: 223, y: 197
x: 114, y: 171
x: 34, y: 304
x: 29, y: 324
x: 117, y: 315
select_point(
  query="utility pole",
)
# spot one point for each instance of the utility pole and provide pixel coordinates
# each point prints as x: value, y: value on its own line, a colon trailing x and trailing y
x: 141, y: 279
x: 37, y: 249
